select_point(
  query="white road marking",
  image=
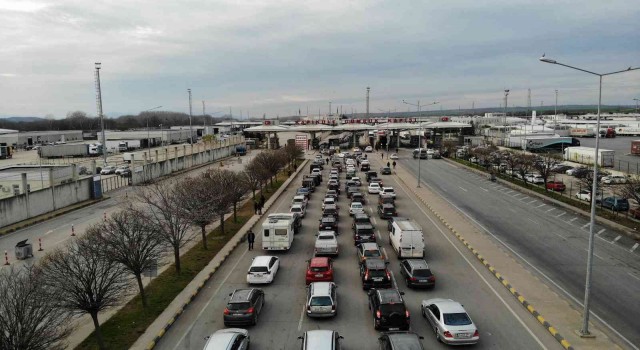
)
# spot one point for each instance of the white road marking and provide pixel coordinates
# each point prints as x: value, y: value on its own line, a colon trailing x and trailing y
x: 533, y: 201
x: 550, y: 209
x: 635, y: 246
x: 484, y: 189
x: 224, y: 280
x: 380, y: 236
x: 596, y: 255
x: 634, y: 276
x: 533, y: 221
x: 462, y: 188
x: 599, y: 232
x: 301, y: 317
x: 616, y: 239
x: 374, y: 219
x: 517, y: 194
x: 559, y: 235
x: 509, y: 192
x: 495, y: 292
x: 541, y: 205
x: 574, y: 219
x: 586, y: 225
x: 560, y: 214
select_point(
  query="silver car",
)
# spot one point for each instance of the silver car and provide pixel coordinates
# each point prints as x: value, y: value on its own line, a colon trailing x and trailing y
x: 326, y: 243
x: 229, y: 338
x: 450, y: 321
x: 322, y: 299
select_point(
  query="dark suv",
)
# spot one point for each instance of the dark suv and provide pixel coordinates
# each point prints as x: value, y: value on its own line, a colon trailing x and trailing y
x: 615, y: 203
x: 388, y: 309
x: 375, y: 274
x: 328, y: 223
x: 400, y: 340
x: 386, y: 211
x: 357, y: 197
x: 243, y: 307
x: 371, y: 174
x: 360, y: 218
x: 363, y: 233
x: 331, y: 210
x: 416, y: 273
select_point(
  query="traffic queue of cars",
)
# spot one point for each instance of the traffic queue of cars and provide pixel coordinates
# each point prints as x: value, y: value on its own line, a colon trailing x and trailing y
x: 447, y: 318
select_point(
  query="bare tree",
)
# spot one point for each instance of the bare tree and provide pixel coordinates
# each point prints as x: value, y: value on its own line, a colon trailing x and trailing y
x: 83, y: 281
x: 252, y: 176
x: 263, y: 165
x: 127, y: 238
x: 219, y: 183
x: 237, y: 191
x: 544, y: 166
x: 630, y: 189
x: 162, y: 204
x: 29, y: 318
x: 526, y: 163
x: 293, y: 152
x: 198, y: 199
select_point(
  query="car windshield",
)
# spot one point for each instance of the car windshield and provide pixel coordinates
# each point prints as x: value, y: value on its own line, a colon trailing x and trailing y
x: 262, y: 269
x: 356, y: 206
x: 321, y: 301
x: 391, y: 308
x: 318, y: 269
x: 371, y: 253
x: 422, y: 273
x: 457, y: 319
x: 238, y: 306
x: 365, y: 231
x: 296, y: 210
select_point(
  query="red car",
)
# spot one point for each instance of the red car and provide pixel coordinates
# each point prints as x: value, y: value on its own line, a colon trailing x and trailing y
x: 320, y: 269
x: 557, y: 186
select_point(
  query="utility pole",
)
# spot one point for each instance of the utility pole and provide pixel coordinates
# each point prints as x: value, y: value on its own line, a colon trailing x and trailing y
x: 506, y: 96
x: 190, y: 116
x: 98, y: 65
x: 368, y: 90
x: 555, y: 113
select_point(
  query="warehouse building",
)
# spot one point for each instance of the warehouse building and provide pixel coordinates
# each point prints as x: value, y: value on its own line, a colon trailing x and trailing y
x: 22, y: 140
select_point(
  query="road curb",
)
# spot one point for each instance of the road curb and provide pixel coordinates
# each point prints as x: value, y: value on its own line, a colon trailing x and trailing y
x: 565, y: 344
x: 45, y: 217
x: 231, y: 245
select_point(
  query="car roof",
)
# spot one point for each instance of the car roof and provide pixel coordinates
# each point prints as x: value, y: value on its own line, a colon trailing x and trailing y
x: 319, y: 339
x: 375, y: 264
x: 387, y: 188
x: 404, y: 340
x: 319, y: 261
x: 326, y: 233
x: 387, y: 205
x: 369, y: 245
x: 355, y: 204
x: 296, y: 206
x: 417, y: 263
x: 262, y: 260
x: 374, y: 184
x: 223, y: 337
x: 388, y: 296
x: 447, y: 306
x: 330, y: 206
x: 320, y: 288
x: 360, y: 215
x: 298, y: 196
x: 362, y: 226
x: 240, y: 295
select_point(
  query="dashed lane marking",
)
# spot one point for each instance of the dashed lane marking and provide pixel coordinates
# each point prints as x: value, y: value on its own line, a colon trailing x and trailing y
x: 462, y: 189
x: 600, y: 232
x: 635, y: 246
x: 574, y: 219
x: 634, y: 276
x: 560, y: 214
x: 616, y: 239
x: 484, y: 189
x: 532, y: 221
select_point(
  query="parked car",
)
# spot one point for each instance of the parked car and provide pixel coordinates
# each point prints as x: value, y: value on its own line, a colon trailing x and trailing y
x: 228, y: 338
x: 635, y: 212
x: 333, y: 194
x: 303, y: 191
x: 386, y: 198
x: 119, y: 170
x: 385, y: 171
x: 328, y: 200
x: 328, y: 223
x: 263, y: 269
x: 107, y: 170
x: 374, y: 188
x: 417, y: 273
x: 356, y: 207
x: 243, y: 307
x: 450, y: 321
x: 557, y: 186
x: 560, y: 168
x: 400, y: 340
x: 584, y: 195
x: 331, y: 210
x: 319, y: 269
x: 534, y: 178
x: 572, y: 171
x: 358, y: 197
x: 388, y: 309
x: 326, y: 243
x: 615, y: 203
x: 363, y: 233
x: 614, y: 179
x: 369, y: 251
x: 387, y: 210
x: 320, y: 339
x: 300, y: 199
x: 368, y: 149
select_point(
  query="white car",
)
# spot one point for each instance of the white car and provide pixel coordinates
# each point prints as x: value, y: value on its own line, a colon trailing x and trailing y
x: 394, y: 156
x: 356, y: 208
x: 534, y: 178
x: 388, y: 191
x: 301, y: 200
x: 584, y: 195
x: 356, y: 180
x: 119, y: 170
x: 108, y: 170
x: 356, y: 149
x: 350, y: 161
x: 450, y: 321
x: 328, y: 201
x: 299, y: 209
x: 341, y: 155
x: 326, y: 243
x: 263, y: 269
x: 374, y: 187
x: 614, y: 179
x: 368, y: 149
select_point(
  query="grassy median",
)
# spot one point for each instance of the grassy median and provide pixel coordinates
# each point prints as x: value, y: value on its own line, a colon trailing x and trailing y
x: 124, y: 328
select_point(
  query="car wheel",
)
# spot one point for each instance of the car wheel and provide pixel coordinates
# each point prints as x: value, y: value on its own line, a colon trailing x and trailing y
x: 375, y: 326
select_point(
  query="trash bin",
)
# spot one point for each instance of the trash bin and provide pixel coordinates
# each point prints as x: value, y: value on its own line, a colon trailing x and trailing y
x: 24, y: 250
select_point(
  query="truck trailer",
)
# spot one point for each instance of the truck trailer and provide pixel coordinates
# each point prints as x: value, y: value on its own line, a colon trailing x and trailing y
x: 586, y: 155
x: 72, y: 150
x: 635, y: 147
x: 5, y: 151
x: 582, y: 132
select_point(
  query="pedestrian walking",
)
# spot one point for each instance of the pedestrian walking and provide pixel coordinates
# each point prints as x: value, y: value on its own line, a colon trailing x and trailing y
x: 251, y: 237
x: 381, y: 155
x: 388, y: 165
x: 262, y: 200
x: 327, y: 161
x: 256, y: 207
x: 394, y: 165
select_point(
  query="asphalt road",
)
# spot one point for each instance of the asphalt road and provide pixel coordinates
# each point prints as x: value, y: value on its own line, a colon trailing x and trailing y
x: 502, y: 322
x: 550, y: 241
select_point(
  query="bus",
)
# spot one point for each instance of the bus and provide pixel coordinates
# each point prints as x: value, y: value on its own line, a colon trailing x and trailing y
x: 278, y: 231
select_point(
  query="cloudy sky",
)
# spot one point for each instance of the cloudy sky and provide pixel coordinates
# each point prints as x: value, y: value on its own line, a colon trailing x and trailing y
x: 278, y: 57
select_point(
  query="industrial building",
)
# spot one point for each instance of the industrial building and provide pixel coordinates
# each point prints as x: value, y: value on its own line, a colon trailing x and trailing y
x: 27, y: 139
x: 147, y: 138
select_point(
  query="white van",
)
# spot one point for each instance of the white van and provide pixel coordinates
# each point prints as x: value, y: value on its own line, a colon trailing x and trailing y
x: 277, y: 232
x: 406, y: 238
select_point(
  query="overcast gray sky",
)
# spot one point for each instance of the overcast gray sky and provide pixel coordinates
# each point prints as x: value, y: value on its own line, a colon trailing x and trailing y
x: 277, y: 57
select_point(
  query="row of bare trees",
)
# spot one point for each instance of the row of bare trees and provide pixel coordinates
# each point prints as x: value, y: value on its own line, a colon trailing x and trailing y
x: 98, y: 270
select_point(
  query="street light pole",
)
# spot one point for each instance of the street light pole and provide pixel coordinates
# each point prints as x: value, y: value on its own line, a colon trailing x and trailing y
x: 98, y: 65
x: 636, y: 99
x: 504, y: 130
x: 419, y: 134
x: 584, y: 332
x: 555, y: 115
x: 190, y: 115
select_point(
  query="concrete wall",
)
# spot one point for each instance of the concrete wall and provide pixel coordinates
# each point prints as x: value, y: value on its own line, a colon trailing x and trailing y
x: 26, y: 205
x: 202, y: 154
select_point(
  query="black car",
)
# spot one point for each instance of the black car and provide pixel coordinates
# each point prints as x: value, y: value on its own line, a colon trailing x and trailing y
x: 328, y: 223
x: 363, y: 233
x: 581, y: 173
x: 357, y: 197
x: 352, y: 190
x: 388, y: 309
x: 400, y: 340
x: 365, y: 167
x: 314, y: 165
x: 332, y: 194
x: 350, y: 184
x: 375, y: 274
x: 371, y: 174
x: 386, y: 210
x: 417, y: 273
x: 334, y: 185
x: 360, y: 218
x: 331, y: 210
x: 385, y: 171
x: 314, y: 178
x: 243, y: 307
x: 310, y: 184
x: 386, y: 199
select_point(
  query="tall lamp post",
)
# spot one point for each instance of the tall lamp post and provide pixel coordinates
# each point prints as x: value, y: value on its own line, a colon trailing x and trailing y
x: 506, y: 98
x: 637, y: 110
x: 98, y: 65
x: 584, y: 332
x: 420, y: 132
x: 148, y: 133
x: 190, y: 115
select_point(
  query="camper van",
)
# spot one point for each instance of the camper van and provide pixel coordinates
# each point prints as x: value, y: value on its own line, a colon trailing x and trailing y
x: 277, y: 232
x: 406, y: 238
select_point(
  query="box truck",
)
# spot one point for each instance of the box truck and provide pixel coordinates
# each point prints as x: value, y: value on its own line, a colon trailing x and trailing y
x: 582, y: 132
x: 586, y: 155
x: 74, y: 150
x: 406, y: 238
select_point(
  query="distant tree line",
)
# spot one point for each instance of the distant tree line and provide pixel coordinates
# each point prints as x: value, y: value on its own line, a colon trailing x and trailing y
x: 80, y: 120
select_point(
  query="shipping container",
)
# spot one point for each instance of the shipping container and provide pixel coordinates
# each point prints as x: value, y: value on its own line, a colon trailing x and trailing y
x: 74, y: 150
x: 586, y: 155
x: 582, y: 132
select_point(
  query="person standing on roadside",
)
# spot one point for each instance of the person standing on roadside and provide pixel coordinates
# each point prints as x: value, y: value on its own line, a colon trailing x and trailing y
x: 262, y: 200
x: 251, y: 237
x: 256, y: 207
